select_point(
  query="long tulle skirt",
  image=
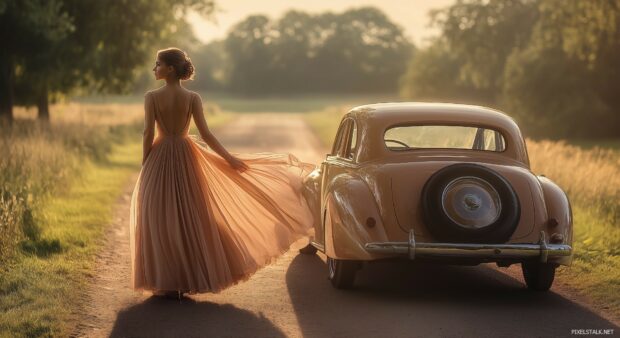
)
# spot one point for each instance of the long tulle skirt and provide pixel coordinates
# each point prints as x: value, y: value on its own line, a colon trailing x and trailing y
x: 197, y: 225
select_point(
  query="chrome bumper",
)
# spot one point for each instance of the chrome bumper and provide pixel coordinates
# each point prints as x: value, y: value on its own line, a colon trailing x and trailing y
x: 412, y: 249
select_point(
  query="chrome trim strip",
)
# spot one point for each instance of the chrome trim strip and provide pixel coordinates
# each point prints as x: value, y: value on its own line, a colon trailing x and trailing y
x: 337, y: 160
x: 473, y: 250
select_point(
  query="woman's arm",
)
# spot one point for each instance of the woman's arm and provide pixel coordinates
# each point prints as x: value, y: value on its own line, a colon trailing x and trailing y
x: 210, y: 139
x: 149, y: 126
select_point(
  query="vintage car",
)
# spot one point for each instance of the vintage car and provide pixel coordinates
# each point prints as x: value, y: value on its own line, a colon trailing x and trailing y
x: 441, y: 183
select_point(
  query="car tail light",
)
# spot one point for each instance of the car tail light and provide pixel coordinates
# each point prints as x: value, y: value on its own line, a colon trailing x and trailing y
x: 556, y: 238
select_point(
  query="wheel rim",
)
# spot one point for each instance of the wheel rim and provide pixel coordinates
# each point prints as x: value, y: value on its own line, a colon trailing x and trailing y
x: 471, y: 202
x: 331, y: 265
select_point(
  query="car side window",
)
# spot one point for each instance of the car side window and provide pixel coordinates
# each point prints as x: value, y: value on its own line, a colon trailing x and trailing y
x: 352, y: 142
x: 344, y: 142
x: 342, y: 130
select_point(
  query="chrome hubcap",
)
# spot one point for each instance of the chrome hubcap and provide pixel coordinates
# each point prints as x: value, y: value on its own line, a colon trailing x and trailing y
x: 471, y: 202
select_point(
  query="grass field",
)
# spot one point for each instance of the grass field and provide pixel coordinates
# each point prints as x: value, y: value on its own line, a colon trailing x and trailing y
x: 590, y: 174
x: 42, y: 284
x: 58, y: 187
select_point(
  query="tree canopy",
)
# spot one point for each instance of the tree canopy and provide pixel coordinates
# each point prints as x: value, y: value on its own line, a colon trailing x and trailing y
x: 55, y: 46
x: 552, y: 64
x: 359, y: 50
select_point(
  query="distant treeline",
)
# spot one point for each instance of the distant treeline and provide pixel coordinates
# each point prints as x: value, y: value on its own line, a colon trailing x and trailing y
x: 359, y: 50
x: 552, y: 64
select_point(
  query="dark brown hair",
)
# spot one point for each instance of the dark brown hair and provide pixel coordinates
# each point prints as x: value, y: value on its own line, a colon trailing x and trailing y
x: 179, y: 60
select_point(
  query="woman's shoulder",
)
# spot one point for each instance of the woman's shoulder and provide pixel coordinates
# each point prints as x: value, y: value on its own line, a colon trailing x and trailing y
x: 152, y: 92
x: 195, y: 95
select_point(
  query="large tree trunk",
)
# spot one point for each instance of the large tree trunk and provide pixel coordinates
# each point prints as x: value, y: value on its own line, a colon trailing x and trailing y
x: 43, y: 104
x: 6, y: 87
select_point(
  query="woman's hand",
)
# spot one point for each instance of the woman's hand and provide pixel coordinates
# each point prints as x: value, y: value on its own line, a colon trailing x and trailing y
x: 237, y: 164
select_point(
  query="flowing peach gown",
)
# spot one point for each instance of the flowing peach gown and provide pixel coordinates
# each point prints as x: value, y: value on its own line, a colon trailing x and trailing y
x: 197, y: 225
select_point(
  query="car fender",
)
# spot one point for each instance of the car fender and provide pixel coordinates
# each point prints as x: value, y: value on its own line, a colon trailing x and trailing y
x: 351, y: 219
x: 560, y: 216
x: 311, y: 191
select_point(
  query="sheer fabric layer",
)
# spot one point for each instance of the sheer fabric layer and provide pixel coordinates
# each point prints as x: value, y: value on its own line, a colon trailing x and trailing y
x: 197, y: 225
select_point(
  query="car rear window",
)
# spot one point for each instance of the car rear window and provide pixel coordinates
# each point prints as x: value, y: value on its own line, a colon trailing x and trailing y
x: 401, y: 138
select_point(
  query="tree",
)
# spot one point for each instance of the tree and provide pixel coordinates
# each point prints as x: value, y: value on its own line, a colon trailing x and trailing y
x: 27, y: 29
x: 564, y: 84
x: 247, y: 46
x: 482, y: 34
x: 434, y: 75
x: 360, y: 50
x: 366, y: 52
x: 554, y: 65
x: 292, y: 52
x: 97, y: 44
x: 212, y: 66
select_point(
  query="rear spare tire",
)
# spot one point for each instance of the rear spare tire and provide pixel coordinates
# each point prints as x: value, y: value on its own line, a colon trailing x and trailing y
x: 470, y: 203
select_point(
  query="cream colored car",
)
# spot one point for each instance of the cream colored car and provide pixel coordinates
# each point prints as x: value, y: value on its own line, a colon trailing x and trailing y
x: 442, y: 183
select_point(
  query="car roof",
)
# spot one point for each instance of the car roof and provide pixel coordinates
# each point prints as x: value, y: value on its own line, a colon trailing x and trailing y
x: 376, y: 118
x: 396, y: 112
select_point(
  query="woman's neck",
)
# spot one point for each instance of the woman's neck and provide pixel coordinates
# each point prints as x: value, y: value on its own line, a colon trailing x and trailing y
x: 173, y: 82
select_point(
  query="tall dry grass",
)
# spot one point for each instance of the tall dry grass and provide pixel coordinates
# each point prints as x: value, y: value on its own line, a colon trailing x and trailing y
x: 38, y: 159
x: 591, y: 177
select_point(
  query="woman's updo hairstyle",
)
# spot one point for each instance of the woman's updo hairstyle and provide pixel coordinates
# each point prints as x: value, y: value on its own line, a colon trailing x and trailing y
x: 179, y: 60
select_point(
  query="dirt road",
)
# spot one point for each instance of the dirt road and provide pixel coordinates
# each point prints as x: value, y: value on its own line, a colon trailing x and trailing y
x: 293, y: 297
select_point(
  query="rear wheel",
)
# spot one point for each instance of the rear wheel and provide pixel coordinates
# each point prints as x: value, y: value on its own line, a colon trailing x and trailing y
x: 342, y: 272
x: 538, y: 276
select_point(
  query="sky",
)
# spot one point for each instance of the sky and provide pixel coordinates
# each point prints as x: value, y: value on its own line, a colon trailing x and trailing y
x: 411, y: 15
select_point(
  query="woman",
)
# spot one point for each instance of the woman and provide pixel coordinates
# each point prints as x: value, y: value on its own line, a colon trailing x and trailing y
x: 202, y: 222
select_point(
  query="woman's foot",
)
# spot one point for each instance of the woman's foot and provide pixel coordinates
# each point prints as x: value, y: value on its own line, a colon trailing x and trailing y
x: 167, y: 294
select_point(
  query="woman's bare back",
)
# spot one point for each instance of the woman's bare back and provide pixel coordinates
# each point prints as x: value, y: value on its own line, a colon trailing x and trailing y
x: 174, y: 107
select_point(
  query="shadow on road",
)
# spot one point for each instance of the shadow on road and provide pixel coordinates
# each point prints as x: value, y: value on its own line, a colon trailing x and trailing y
x: 170, y: 318
x: 400, y: 298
